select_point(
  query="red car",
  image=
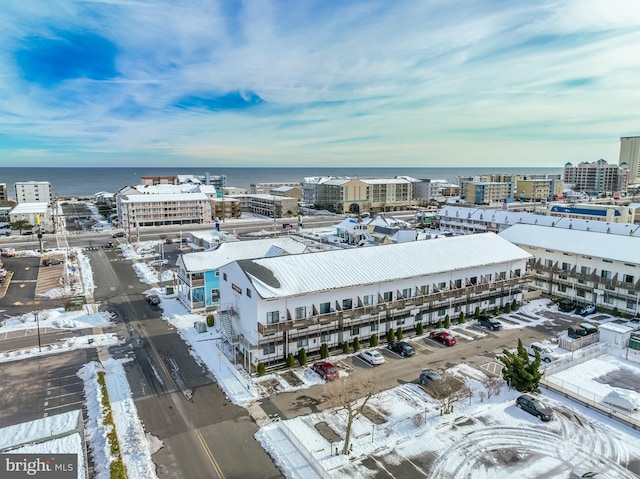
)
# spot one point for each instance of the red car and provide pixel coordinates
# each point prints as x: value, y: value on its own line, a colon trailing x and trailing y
x: 443, y: 337
x: 326, y: 370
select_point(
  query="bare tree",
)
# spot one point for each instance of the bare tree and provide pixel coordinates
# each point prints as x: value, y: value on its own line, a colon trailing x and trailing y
x: 493, y: 385
x: 448, y: 391
x: 352, y: 397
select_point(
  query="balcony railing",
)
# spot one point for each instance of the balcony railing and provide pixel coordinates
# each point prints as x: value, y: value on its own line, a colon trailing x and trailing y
x: 392, y: 309
x: 538, y: 267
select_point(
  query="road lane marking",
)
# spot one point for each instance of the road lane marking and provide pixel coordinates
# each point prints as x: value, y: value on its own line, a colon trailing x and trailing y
x: 209, y: 454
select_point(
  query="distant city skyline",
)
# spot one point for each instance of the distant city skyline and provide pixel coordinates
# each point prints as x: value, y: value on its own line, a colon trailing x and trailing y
x: 284, y: 84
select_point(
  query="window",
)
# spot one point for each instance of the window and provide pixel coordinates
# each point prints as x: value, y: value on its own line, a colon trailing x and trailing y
x: 631, y: 305
x: 517, y: 273
x: 458, y: 283
x: 488, y: 277
x: 367, y: 300
x: 442, y: 312
x: 442, y: 285
x: 224, y: 276
x: 217, y: 274
x: 586, y: 270
x: 607, y: 298
x: 248, y: 292
x: 419, y: 318
x: 631, y: 292
x: 610, y: 288
x: 273, y: 317
x: 492, y: 301
x: 303, y: 343
x: 424, y: 289
x: 215, y: 295
x: 627, y: 278
x: 375, y: 327
x: 548, y: 263
x: 539, y: 283
x: 605, y: 274
x: 355, y: 331
x: 473, y: 280
x: 562, y: 288
x: 269, y: 349
x: 347, y: 303
x: 301, y: 312
x: 325, y: 337
x: 581, y: 293
x: 325, y: 308
x: 406, y: 293
x: 400, y: 321
x: 388, y: 296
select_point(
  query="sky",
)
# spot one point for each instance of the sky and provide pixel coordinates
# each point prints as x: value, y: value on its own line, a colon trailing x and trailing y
x: 369, y: 83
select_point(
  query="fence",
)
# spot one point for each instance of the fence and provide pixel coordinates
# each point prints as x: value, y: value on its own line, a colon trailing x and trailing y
x: 576, y: 357
x: 302, y: 449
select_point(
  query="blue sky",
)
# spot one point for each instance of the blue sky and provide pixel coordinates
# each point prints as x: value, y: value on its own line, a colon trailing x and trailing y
x: 317, y: 83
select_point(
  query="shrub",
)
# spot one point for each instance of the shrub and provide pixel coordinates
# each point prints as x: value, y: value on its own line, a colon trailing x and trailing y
x: 476, y: 313
x: 291, y: 360
x: 461, y: 319
x: 439, y: 324
x: 373, y: 340
x: 210, y: 320
x: 616, y: 312
x: 345, y: 347
x: 356, y: 344
x: 507, y: 308
x: 419, y: 329
x: 447, y: 322
x: 302, y: 356
x: 399, y: 334
x: 324, y: 350
x: 514, y: 305
x: 496, y: 311
x: 391, y: 336
x: 261, y: 369
x: 116, y: 469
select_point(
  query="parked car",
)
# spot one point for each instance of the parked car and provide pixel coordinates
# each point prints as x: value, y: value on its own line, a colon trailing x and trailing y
x: 534, y: 406
x: 546, y: 353
x: 153, y: 299
x: 159, y: 262
x: 402, y: 348
x: 8, y: 252
x: 119, y: 234
x: 428, y: 376
x: 566, y: 305
x: 325, y: 370
x: 588, y: 475
x: 589, y: 328
x: 51, y: 261
x: 372, y: 357
x: 109, y: 244
x: 443, y: 337
x: 586, y: 309
x: 489, y: 323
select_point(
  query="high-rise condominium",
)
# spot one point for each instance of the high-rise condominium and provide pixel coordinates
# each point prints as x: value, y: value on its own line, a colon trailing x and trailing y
x: 630, y: 154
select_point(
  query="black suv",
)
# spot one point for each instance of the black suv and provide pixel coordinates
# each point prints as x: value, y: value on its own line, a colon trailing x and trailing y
x: 490, y: 323
x: 402, y: 348
x: 535, y: 407
x: 566, y: 305
x: 51, y: 262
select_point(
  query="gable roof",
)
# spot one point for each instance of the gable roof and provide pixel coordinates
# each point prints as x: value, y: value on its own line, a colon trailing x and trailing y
x: 331, y: 270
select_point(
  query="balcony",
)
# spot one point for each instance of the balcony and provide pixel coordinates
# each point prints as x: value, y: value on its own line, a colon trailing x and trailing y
x: 538, y: 267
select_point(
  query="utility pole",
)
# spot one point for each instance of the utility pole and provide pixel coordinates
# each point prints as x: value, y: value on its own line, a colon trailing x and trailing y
x: 38, y: 328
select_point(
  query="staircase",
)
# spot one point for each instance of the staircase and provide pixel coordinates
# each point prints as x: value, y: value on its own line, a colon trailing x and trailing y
x: 228, y: 331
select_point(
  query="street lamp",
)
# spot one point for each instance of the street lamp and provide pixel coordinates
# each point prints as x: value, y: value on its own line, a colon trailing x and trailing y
x: 38, y: 328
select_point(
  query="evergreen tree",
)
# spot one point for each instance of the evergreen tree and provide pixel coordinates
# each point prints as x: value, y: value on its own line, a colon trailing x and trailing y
x: 514, y: 305
x: 373, y: 340
x: 261, y: 369
x: 520, y: 372
x: 439, y: 324
x: 345, y: 347
x: 291, y: 360
x: 391, y: 336
x: 447, y: 322
x: 507, y: 308
x: 419, y: 329
x: 324, y: 350
x: 356, y: 344
x: 461, y: 319
x: 302, y: 356
x: 399, y: 334
x: 476, y: 313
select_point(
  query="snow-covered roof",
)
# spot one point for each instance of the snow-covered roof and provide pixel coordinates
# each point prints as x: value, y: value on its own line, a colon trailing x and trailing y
x: 29, y: 208
x: 162, y: 197
x: 331, y: 270
x: 386, y: 181
x: 228, y: 252
x: 616, y: 327
x: 587, y: 243
x: 39, y: 429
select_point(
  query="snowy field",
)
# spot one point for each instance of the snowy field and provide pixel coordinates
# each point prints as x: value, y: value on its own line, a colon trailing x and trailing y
x: 484, y: 438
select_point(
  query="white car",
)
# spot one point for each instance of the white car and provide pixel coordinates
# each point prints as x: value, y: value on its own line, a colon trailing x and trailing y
x: 546, y: 353
x: 372, y: 357
x: 159, y: 262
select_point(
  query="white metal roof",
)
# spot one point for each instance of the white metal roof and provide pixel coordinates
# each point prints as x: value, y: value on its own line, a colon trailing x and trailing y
x: 228, y: 252
x: 588, y: 243
x: 330, y: 270
x: 165, y: 197
x: 29, y: 208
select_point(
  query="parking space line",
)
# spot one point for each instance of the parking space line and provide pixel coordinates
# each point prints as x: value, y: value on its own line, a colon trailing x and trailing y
x: 64, y: 395
x: 64, y: 405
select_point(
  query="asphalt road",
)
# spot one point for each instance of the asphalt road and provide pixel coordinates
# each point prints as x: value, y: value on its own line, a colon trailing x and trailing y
x: 201, y: 437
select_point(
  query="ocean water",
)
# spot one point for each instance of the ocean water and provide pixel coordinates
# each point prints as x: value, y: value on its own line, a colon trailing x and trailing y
x: 85, y: 182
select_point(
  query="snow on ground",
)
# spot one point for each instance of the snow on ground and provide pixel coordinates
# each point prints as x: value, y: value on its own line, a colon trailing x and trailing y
x: 58, y: 319
x: 67, y: 344
x: 484, y: 438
